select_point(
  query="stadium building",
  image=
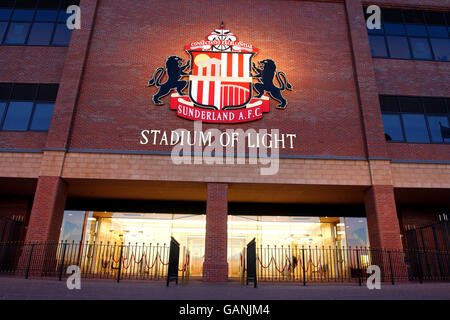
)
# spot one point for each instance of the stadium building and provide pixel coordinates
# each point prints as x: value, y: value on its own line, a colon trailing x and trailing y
x: 346, y: 128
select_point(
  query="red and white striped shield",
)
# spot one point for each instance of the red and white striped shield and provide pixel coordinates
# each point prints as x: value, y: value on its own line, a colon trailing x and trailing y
x: 220, y: 80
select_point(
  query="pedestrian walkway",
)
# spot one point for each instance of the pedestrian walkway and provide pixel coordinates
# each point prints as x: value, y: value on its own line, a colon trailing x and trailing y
x: 48, y: 289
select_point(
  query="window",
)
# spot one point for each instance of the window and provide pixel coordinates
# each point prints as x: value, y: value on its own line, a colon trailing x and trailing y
x: 378, y: 46
x: 441, y: 49
x: 393, y: 127
x: 26, y: 107
x: 35, y: 22
x: 416, y: 119
x: 42, y: 117
x: 18, y: 116
x: 17, y: 33
x: 415, y: 128
x: 398, y: 47
x: 412, y: 34
x: 420, y: 48
x: 41, y: 34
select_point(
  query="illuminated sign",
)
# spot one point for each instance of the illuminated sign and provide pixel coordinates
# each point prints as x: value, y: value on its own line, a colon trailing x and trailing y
x: 221, y: 81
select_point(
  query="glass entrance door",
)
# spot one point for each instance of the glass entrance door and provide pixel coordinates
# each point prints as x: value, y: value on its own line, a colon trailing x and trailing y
x: 139, y: 229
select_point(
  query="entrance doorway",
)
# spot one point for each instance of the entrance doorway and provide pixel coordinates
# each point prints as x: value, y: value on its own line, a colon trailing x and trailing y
x: 139, y: 228
x: 292, y: 232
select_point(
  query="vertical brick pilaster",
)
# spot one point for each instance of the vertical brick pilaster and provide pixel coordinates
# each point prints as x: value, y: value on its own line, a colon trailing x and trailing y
x: 43, y: 227
x: 215, y: 266
x: 63, y: 114
x: 384, y: 232
x: 382, y: 220
x: 48, y: 210
x: 365, y: 80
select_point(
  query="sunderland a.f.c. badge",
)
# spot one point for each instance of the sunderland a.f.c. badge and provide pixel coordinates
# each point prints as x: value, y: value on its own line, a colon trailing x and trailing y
x: 224, y: 85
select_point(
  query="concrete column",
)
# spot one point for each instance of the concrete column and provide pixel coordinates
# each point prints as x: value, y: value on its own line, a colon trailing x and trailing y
x: 215, y: 266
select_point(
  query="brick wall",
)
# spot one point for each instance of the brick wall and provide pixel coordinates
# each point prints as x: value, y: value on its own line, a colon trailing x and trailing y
x: 130, y: 42
x: 29, y: 65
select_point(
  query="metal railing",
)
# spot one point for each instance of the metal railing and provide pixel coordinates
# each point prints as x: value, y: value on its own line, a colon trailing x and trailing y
x: 95, y: 260
x: 339, y: 264
x: 435, y: 236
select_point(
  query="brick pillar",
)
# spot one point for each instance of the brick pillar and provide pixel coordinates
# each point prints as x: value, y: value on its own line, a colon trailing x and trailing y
x: 39, y: 254
x: 48, y: 210
x: 384, y: 233
x: 215, y: 266
x: 382, y: 220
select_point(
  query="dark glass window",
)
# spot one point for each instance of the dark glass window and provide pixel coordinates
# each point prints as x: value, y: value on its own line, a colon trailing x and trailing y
x: 24, y: 10
x: 389, y: 104
x: 398, y: 47
x: 412, y: 34
x: 415, y: 23
x: 2, y: 110
x: 415, y: 119
x: 40, y: 34
x: 436, y: 24
x: 25, y: 92
x: 47, y: 10
x: 26, y: 106
x: 62, y: 35
x: 47, y: 92
x: 378, y: 46
x: 434, y: 105
x: 441, y: 49
x: 42, y: 116
x: 435, y: 123
x: 392, y: 127
x: 410, y: 104
x: 17, y: 33
x: 18, y: 116
x: 420, y: 48
x: 415, y: 127
x: 5, y: 13
x: 35, y: 22
x: 5, y: 91
x: 3, y: 26
x: 393, y: 21
x: 63, y: 16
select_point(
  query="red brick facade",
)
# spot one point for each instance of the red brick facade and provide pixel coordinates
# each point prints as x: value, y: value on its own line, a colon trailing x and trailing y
x: 103, y: 103
x: 215, y: 267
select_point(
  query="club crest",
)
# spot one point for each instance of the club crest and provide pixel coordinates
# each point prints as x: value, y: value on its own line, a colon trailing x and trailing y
x: 224, y: 85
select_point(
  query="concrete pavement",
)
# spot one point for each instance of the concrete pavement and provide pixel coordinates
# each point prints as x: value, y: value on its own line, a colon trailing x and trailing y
x: 50, y: 289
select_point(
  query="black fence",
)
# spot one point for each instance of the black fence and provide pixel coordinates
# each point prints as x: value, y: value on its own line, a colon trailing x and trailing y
x: 95, y: 260
x: 431, y: 237
x: 11, y: 228
x: 314, y: 264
